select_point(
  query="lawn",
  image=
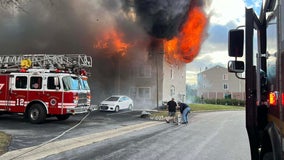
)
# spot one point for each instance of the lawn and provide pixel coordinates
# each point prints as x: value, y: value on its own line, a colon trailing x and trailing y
x: 213, y: 107
x: 199, y: 107
x: 4, y: 142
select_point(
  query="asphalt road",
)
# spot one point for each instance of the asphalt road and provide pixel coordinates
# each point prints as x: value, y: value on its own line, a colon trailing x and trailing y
x: 25, y: 134
x: 209, y: 135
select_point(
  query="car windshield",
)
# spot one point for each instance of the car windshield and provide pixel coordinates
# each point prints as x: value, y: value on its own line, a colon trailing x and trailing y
x: 112, y: 99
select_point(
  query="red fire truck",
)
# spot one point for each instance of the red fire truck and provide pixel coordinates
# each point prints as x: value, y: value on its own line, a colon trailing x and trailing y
x: 264, y: 77
x: 41, y: 85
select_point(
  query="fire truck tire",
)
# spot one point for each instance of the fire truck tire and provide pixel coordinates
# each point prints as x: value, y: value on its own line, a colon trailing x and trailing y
x: 36, y: 113
x: 63, y: 117
x: 116, y: 109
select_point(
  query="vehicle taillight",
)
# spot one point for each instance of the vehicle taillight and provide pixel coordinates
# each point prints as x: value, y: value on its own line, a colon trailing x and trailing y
x: 282, y: 99
x: 272, y: 98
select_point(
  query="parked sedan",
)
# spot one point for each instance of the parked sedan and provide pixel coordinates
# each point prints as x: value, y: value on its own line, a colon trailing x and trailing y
x: 116, y: 103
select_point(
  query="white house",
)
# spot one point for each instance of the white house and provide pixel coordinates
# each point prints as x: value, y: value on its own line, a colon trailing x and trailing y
x: 217, y: 82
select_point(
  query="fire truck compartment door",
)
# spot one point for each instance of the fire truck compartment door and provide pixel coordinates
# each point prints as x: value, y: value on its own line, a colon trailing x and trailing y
x: 4, y: 86
x: 18, y: 91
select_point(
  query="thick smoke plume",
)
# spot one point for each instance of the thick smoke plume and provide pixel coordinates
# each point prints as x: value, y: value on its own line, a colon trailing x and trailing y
x: 72, y: 26
x: 162, y: 18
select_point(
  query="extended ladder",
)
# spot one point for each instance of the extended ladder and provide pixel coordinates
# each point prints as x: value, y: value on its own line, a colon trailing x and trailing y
x: 47, y: 61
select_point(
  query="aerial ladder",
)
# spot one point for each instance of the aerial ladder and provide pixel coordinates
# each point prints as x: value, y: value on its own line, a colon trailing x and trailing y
x: 9, y: 63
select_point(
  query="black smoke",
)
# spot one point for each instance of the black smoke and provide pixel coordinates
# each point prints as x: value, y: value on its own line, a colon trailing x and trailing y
x: 162, y: 18
x: 72, y: 27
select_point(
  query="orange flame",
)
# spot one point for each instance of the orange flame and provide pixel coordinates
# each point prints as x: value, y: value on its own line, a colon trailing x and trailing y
x: 113, y: 40
x: 186, y: 45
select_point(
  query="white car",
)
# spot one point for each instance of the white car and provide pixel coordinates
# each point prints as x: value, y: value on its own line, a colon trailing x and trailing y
x: 116, y: 103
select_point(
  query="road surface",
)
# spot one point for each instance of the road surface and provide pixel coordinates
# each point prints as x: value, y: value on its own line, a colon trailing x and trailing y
x: 208, y: 136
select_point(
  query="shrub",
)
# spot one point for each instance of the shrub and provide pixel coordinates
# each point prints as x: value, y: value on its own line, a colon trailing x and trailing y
x: 231, y: 102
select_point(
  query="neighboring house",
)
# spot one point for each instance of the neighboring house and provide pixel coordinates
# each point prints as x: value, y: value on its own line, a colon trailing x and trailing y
x: 218, y: 83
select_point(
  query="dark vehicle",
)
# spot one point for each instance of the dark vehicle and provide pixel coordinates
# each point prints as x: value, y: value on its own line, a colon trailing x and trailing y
x: 264, y: 71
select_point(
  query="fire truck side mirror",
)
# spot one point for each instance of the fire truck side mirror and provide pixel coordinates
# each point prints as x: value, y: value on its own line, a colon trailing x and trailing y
x: 236, y: 43
x: 236, y: 66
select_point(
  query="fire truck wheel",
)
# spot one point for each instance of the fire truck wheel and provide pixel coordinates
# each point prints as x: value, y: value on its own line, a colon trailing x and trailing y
x: 36, y: 113
x: 63, y: 117
x: 116, y: 108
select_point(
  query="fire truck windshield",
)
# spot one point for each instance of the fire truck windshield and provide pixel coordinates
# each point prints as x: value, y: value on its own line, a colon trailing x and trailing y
x: 74, y: 83
x: 84, y: 84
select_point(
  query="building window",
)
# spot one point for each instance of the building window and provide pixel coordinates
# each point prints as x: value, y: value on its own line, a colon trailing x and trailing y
x: 173, y: 90
x: 225, y: 76
x: 144, y: 71
x: 172, y: 73
x: 225, y: 86
x: 144, y: 92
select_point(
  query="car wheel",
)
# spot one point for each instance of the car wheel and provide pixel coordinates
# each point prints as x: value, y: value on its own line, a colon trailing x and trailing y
x: 116, y: 108
x: 130, y: 107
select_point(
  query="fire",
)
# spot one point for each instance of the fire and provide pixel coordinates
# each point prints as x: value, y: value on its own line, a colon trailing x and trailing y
x: 113, y: 41
x: 185, y: 46
x: 170, y: 49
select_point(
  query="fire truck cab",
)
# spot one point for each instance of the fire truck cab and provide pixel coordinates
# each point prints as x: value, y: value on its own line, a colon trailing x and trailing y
x: 38, y: 91
x: 264, y: 76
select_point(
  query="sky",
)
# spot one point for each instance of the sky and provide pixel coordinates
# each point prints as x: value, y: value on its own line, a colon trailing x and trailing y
x: 223, y: 16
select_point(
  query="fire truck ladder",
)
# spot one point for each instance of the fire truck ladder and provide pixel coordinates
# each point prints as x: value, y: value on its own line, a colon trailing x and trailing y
x: 46, y: 61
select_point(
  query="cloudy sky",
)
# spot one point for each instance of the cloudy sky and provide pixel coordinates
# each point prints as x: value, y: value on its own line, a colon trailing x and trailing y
x: 224, y: 15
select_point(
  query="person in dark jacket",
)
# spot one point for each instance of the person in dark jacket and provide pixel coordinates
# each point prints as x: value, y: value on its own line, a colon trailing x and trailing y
x: 184, y: 110
x: 172, y: 107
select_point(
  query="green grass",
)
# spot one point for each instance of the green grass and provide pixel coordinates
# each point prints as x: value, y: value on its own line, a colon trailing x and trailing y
x: 4, y: 142
x: 201, y: 107
x: 213, y: 107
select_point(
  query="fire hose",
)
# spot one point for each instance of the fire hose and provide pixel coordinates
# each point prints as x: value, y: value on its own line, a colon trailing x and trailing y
x: 55, y: 138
